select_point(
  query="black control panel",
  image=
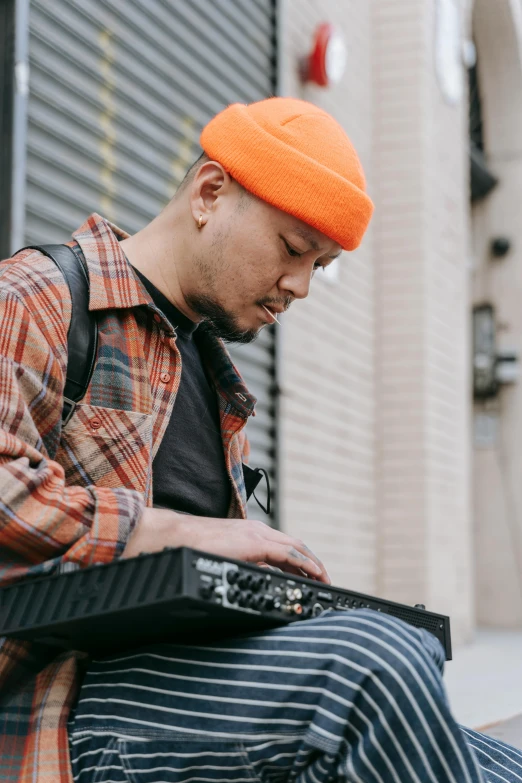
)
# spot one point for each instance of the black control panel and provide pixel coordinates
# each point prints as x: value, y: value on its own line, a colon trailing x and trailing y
x: 277, y: 596
x: 178, y: 595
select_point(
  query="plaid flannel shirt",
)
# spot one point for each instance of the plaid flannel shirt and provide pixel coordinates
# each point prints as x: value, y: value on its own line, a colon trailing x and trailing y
x: 73, y: 495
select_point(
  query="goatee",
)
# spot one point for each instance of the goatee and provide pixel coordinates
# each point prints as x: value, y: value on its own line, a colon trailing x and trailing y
x: 218, y: 321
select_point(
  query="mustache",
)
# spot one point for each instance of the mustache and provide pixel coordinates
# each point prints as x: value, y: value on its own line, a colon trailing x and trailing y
x: 284, y: 303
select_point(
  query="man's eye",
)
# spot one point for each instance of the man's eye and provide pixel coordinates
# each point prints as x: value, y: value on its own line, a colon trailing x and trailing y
x: 291, y: 251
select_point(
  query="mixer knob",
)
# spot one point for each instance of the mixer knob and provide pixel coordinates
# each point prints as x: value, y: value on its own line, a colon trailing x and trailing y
x: 232, y: 595
x: 258, y: 602
x: 245, y: 597
x: 269, y: 602
x: 232, y: 576
x: 245, y: 580
x: 308, y: 594
x: 257, y: 583
x: 306, y: 613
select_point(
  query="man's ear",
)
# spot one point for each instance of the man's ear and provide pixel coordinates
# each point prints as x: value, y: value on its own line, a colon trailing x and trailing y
x: 210, y: 182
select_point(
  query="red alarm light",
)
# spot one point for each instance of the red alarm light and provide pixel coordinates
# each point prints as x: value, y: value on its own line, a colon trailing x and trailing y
x: 326, y: 63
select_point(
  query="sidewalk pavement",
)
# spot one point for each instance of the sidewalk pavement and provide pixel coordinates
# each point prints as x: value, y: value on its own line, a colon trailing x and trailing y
x: 484, y: 684
x: 509, y: 731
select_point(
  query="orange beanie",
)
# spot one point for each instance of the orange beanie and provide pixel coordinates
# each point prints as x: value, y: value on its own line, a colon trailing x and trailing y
x: 296, y: 157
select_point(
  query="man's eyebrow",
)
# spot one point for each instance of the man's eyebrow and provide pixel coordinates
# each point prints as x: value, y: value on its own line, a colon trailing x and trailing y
x: 309, y: 237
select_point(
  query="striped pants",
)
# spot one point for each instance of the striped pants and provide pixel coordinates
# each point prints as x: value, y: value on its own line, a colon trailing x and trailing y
x: 347, y: 696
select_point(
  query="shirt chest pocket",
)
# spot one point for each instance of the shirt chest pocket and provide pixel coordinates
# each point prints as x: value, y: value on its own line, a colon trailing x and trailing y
x: 107, y: 447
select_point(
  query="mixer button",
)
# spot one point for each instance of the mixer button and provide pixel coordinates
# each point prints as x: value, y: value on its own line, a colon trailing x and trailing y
x: 206, y: 590
x: 232, y: 576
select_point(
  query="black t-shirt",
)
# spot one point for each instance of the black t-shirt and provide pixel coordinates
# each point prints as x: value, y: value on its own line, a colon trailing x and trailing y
x: 189, y: 472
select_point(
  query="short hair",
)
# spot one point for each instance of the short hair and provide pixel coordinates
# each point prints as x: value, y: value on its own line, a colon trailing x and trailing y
x: 244, y: 196
x: 192, y: 171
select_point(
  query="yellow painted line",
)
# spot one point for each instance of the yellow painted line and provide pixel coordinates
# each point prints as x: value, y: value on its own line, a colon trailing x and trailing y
x: 186, y: 154
x: 106, y: 145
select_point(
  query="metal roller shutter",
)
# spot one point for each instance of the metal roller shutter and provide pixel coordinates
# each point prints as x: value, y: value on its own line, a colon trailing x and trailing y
x: 7, y: 83
x: 119, y: 91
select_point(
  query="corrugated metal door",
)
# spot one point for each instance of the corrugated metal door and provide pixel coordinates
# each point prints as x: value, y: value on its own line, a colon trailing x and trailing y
x: 119, y: 91
x: 7, y: 88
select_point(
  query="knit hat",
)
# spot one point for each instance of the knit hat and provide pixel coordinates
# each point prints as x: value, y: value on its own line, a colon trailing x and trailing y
x: 296, y: 157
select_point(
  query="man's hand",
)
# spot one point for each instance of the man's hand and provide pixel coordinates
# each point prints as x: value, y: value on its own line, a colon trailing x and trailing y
x: 241, y: 539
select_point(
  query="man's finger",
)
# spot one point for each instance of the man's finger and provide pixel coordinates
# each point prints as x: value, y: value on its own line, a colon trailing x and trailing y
x: 285, y: 556
x: 300, y: 546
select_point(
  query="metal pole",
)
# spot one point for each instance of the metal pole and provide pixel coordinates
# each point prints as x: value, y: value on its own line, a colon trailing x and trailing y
x: 19, y: 148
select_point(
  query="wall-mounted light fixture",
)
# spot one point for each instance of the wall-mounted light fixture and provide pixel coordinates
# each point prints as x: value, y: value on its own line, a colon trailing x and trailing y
x: 491, y: 367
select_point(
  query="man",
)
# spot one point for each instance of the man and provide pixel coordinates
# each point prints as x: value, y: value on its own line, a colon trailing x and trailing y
x: 152, y: 458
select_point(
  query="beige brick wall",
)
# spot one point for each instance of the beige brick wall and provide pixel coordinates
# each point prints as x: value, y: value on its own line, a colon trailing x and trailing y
x: 328, y: 457
x: 375, y: 405
x: 498, y: 463
x: 422, y: 271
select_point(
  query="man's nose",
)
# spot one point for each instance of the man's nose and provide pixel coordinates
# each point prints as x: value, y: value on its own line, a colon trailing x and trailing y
x: 297, y: 283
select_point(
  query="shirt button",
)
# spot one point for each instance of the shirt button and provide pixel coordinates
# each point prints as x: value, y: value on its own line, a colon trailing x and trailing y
x: 95, y: 424
x: 157, y: 318
x: 165, y: 377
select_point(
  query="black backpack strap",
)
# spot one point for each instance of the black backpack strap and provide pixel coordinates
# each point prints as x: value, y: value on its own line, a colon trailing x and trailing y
x: 82, y: 336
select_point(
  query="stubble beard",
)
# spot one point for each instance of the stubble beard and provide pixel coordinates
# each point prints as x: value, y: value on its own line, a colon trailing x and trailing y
x: 218, y: 320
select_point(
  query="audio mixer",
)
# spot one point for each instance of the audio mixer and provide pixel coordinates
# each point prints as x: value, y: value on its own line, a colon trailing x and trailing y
x: 178, y: 595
